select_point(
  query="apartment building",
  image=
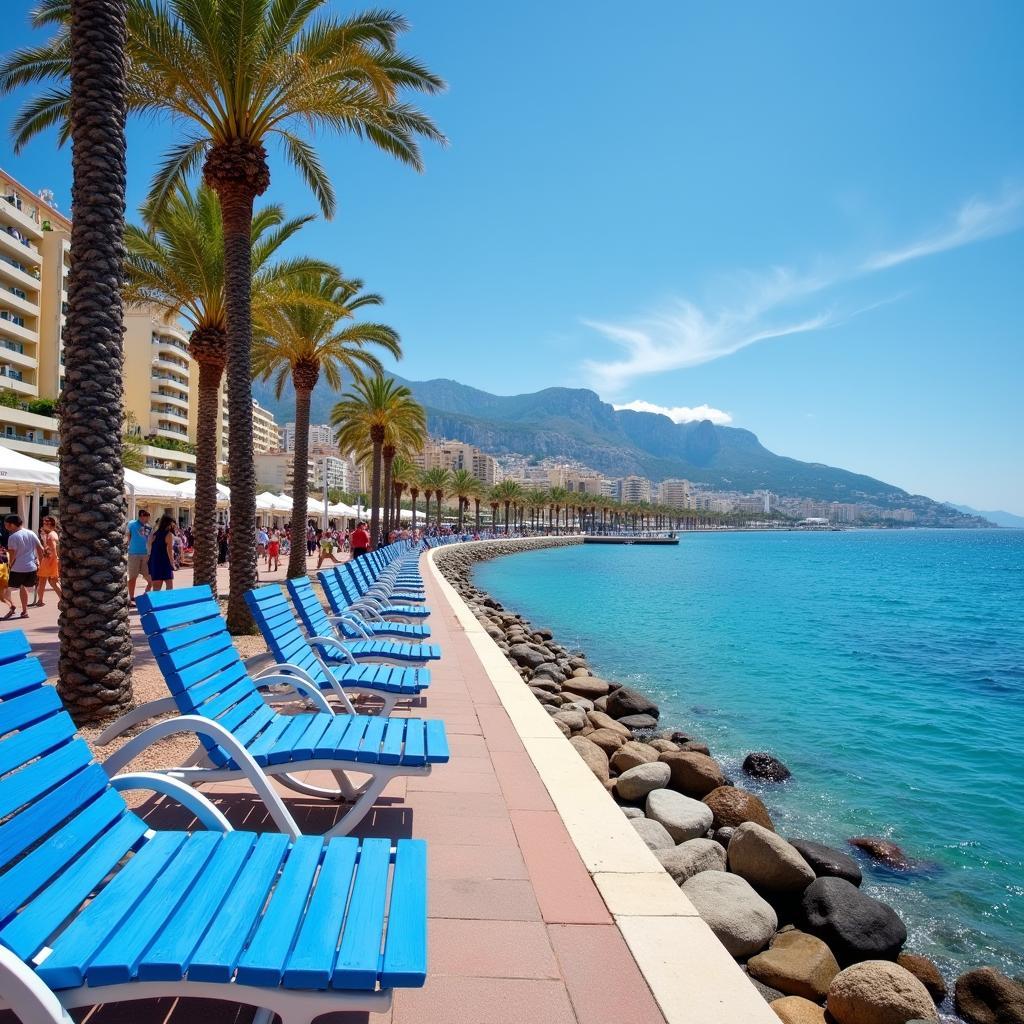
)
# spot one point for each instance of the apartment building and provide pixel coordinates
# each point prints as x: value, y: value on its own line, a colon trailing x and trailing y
x: 453, y: 455
x: 34, y: 247
x: 321, y: 435
x: 634, y: 489
x: 338, y: 471
x: 274, y: 470
x: 266, y: 435
x: 675, y: 493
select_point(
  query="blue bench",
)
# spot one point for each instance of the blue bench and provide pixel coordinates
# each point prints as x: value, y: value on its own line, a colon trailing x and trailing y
x: 342, y: 595
x: 97, y: 907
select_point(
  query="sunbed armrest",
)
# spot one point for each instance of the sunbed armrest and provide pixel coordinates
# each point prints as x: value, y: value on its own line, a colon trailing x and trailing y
x: 25, y: 993
x: 334, y: 642
x: 142, y: 713
x: 302, y: 684
x: 189, y: 798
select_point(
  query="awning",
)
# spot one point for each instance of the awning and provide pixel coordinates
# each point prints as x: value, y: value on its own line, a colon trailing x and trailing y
x: 22, y: 471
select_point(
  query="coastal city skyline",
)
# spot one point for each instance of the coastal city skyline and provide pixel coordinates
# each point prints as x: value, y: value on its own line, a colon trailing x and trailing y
x: 871, y: 241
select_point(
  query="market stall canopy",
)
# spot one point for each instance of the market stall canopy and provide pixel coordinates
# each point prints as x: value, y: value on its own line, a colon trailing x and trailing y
x: 144, y: 486
x: 186, y: 492
x: 25, y: 472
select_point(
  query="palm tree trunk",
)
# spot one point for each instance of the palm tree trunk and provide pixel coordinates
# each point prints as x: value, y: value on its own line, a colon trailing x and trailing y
x: 439, y: 495
x: 388, y: 455
x: 300, y: 478
x: 414, y: 495
x: 95, y: 662
x: 204, y: 560
x: 426, y: 512
x: 476, y: 502
x: 375, y: 494
x: 461, y: 510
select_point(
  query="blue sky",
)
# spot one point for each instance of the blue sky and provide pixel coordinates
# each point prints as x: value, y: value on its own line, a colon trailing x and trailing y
x: 806, y: 218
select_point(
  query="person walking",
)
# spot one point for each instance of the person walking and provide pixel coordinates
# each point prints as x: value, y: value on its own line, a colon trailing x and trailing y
x: 139, y: 531
x: 161, y: 555
x: 24, y: 550
x: 359, y: 541
x: 5, y: 581
x: 327, y: 544
x: 273, y: 551
x: 49, y: 563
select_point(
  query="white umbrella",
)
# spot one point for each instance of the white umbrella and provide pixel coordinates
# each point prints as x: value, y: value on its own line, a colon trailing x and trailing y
x: 143, y: 486
x: 284, y: 502
x: 186, y: 492
x: 23, y: 470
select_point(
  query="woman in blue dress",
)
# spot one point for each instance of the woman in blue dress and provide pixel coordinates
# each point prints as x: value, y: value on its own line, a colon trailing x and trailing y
x: 161, y: 555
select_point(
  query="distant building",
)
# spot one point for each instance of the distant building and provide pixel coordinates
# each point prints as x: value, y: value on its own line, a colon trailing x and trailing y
x: 274, y: 470
x: 321, y: 435
x: 634, y: 489
x: 339, y: 471
x: 453, y: 455
x: 675, y: 493
x: 266, y: 435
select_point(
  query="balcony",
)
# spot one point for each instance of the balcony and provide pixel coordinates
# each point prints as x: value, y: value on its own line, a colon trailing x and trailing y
x: 170, y: 413
x: 18, y: 213
x: 19, y: 248
x: 11, y: 328
x: 16, y: 357
x: 178, y: 381
x: 170, y: 431
x: 170, y: 365
x: 167, y: 395
x: 16, y: 271
x: 38, y: 447
x: 165, y: 341
x: 17, y: 299
x: 13, y: 380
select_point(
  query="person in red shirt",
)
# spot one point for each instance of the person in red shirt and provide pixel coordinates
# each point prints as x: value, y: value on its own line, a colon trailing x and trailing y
x: 359, y: 541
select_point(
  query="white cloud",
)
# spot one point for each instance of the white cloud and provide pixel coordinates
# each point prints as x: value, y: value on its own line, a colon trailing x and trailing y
x: 680, y: 413
x: 976, y: 220
x: 760, y: 307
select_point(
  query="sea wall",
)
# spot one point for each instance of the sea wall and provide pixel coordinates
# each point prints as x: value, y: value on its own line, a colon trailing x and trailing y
x: 790, y: 911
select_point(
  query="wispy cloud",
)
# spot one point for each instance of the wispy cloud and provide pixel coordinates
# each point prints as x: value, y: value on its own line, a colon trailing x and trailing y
x: 975, y: 221
x: 680, y: 413
x: 761, y: 307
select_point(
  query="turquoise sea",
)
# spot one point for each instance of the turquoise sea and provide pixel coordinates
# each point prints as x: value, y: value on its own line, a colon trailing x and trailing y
x: 885, y: 668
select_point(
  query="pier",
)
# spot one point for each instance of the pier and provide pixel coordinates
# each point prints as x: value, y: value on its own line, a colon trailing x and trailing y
x: 632, y: 538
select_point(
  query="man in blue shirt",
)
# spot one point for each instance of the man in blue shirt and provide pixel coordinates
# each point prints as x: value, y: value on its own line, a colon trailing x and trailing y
x: 138, y: 551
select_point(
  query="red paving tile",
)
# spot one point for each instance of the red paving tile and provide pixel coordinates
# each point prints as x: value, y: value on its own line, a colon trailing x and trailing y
x: 603, y: 980
x: 520, y: 784
x: 450, y: 1000
x: 503, y: 899
x: 498, y: 730
x: 469, y: 862
x: 491, y: 949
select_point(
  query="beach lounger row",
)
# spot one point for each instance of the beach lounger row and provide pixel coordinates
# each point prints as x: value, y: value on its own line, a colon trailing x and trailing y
x: 99, y: 907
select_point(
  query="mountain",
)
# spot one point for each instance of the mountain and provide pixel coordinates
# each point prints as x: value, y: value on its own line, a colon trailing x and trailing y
x: 1005, y: 519
x: 574, y: 423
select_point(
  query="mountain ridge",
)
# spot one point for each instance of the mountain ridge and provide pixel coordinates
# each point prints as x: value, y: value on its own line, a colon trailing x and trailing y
x: 575, y: 423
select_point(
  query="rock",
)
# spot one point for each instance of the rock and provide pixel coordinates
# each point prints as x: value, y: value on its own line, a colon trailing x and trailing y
x: 683, y: 817
x: 723, y: 836
x: 607, y: 740
x: 563, y: 728
x: 797, y: 1010
x: 637, y: 782
x: 587, y: 686
x: 550, y: 670
x: 601, y: 704
x: 596, y: 759
x: 663, y: 746
x: 883, y: 851
x: 633, y: 812
x: 624, y: 701
x: 732, y: 806
x: 572, y: 717
x: 767, y: 861
x: 527, y: 654
x: 797, y: 964
x: 827, y: 862
x: 695, y: 747
x: 987, y: 996
x: 544, y: 696
x: 878, y: 992
x: 926, y: 972
x: 854, y: 925
x: 768, y: 993
x: 577, y: 703
x: 691, y: 858
x: 599, y: 720
x: 729, y: 906
x: 694, y: 774
x: 653, y: 834
x: 638, y: 723
x: 630, y: 754
x: 764, y: 766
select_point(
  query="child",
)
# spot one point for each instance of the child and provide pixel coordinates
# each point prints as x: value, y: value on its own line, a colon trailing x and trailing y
x: 273, y: 551
x: 5, y: 578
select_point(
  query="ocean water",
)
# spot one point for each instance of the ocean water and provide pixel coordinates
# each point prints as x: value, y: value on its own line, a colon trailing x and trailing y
x: 885, y: 668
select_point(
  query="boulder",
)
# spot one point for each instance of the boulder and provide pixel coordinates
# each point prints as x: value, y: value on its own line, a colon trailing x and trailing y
x: 723, y: 835
x: 767, y: 861
x: 732, y: 806
x: 586, y: 686
x: 599, y: 720
x: 827, y: 862
x: 624, y: 701
x: 576, y: 703
x: 638, y: 723
x: 562, y: 728
x: 878, y: 992
x: 637, y: 782
x: 696, y: 747
x: 694, y: 774
x: 549, y: 670
x: 630, y: 754
x: 633, y: 812
x: 691, y: 858
x: 768, y: 993
x: 883, y: 851
x: 663, y: 746
x: 797, y: 1010
x: 601, y: 704
x: 544, y: 696
x: 854, y: 925
x: 594, y: 757
x: 543, y: 683
x: 729, y: 906
x: 653, y: 834
x: 527, y: 654
x: 797, y: 964
x: 760, y: 765
x: 576, y: 720
x: 987, y: 996
x: 682, y: 817
x: 607, y: 740
x: 926, y: 972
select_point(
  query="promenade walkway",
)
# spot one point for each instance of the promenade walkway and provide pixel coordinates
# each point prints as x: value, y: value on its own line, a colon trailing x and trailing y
x: 519, y: 933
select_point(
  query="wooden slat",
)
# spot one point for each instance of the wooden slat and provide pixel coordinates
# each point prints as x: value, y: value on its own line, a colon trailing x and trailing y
x: 20, y: 676
x: 405, y: 948
x: 358, y: 962
x: 66, y: 759
x: 391, y: 746
x: 369, y: 747
x: 415, y: 751
x: 437, y: 741
x: 20, y: 712
x: 44, y: 735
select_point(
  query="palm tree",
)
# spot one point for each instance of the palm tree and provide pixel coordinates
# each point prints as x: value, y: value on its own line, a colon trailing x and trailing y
x: 507, y: 492
x: 437, y: 480
x: 414, y: 493
x: 95, y: 663
x: 363, y: 419
x: 478, y: 494
x: 495, y: 502
x: 557, y: 497
x: 239, y: 72
x: 176, y: 264
x: 427, y: 492
x: 316, y: 333
x: 462, y: 485
x: 403, y: 473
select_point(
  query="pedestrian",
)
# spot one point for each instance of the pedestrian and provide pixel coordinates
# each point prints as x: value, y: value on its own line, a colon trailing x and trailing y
x: 273, y: 551
x: 24, y: 550
x: 49, y: 563
x: 222, y: 545
x: 327, y: 543
x: 5, y: 581
x: 311, y: 539
x: 161, y: 555
x: 139, y: 531
x: 359, y: 541
x: 262, y: 540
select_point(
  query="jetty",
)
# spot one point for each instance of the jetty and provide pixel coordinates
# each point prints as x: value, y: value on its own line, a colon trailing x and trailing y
x: 669, y: 537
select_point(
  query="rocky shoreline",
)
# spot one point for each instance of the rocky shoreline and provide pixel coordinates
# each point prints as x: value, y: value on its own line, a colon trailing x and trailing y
x: 819, y: 949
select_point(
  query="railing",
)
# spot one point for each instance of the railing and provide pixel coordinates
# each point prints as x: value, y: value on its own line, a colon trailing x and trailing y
x: 6, y: 371
x: 170, y: 343
x: 12, y: 346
